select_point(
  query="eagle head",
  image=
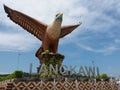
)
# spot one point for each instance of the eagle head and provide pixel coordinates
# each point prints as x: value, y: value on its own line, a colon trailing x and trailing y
x: 59, y: 17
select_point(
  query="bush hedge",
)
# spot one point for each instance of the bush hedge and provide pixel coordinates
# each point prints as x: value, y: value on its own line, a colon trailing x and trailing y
x: 15, y: 74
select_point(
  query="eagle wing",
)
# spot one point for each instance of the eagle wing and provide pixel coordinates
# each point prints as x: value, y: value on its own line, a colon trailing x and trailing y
x: 33, y: 26
x: 68, y: 29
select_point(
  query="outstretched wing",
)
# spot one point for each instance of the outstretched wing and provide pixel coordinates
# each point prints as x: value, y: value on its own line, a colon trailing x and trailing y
x: 31, y: 25
x: 68, y: 29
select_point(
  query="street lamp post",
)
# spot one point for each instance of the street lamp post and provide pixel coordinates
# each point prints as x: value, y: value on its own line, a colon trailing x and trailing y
x: 93, y: 63
x: 18, y: 61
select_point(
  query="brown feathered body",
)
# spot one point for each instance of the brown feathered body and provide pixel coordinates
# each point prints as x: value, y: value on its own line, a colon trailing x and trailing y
x: 51, y: 38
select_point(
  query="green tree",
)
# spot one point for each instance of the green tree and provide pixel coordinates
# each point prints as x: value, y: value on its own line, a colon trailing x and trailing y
x: 0, y: 79
x: 15, y: 74
x: 103, y: 76
x: 18, y: 74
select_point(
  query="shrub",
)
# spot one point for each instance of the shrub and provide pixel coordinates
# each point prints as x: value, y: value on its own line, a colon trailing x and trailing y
x: 102, y: 76
x: 0, y: 78
x: 18, y: 74
x: 15, y: 74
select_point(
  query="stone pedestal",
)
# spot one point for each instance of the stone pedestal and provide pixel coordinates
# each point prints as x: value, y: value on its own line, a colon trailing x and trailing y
x: 50, y: 58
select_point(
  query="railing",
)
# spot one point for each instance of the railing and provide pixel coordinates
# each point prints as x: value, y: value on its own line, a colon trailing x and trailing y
x: 56, y: 85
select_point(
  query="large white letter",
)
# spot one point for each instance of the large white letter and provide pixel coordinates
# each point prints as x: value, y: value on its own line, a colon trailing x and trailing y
x: 62, y: 70
x: 98, y: 73
x: 72, y: 70
x: 52, y: 69
x: 90, y: 71
x: 81, y: 71
x: 43, y: 69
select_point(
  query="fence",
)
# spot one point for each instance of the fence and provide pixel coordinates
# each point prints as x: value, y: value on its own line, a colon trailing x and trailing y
x: 40, y: 85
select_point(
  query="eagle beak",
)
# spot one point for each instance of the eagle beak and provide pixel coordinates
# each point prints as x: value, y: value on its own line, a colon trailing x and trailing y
x: 60, y: 15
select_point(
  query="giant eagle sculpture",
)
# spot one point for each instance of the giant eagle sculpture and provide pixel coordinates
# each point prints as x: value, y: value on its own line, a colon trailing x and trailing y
x: 48, y: 34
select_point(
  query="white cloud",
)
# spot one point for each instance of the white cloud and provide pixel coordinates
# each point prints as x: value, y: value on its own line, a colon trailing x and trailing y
x: 107, y: 50
x: 16, y: 42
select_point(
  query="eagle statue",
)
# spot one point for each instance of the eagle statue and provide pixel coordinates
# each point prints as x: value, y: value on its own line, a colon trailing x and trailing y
x: 48, y: 34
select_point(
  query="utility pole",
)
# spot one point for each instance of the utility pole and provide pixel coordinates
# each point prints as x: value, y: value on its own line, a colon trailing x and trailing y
x: 93, y: 63
x: 18, y: 61
x: 30, y: 69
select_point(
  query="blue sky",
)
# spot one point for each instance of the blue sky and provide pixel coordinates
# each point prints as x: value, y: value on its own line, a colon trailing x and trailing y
x: 97, y: 39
